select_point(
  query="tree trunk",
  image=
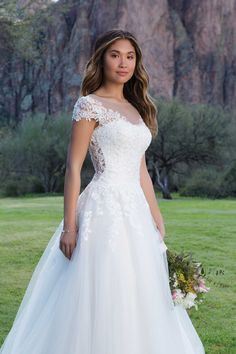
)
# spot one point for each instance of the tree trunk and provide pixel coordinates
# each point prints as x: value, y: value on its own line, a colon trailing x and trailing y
x: 163, y: 185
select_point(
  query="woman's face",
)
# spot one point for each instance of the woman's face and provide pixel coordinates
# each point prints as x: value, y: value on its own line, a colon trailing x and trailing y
x: 119, y: 61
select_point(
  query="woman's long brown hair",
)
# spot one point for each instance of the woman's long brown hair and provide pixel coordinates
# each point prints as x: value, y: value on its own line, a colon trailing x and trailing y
x: 135, y: 90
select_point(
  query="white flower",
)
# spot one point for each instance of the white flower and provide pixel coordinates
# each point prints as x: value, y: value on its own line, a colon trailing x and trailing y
x: 187, y: 301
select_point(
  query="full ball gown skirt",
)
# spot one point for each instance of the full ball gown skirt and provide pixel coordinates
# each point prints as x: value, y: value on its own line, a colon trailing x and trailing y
x: 113, y: 295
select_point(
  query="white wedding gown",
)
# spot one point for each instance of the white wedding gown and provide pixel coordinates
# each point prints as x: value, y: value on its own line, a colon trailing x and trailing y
x: 113, y: 295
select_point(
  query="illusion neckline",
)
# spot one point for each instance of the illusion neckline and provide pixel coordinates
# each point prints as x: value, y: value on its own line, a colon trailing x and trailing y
x: 140, y: 120
x: 105, y: 97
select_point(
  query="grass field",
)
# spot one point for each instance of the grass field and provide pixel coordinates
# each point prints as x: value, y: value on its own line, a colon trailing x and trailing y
x: 207, y: 228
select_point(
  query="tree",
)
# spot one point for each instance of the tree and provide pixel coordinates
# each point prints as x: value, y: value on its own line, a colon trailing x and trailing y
x: 188, y: 135
x: 24, y: 37
x: 37, y: 148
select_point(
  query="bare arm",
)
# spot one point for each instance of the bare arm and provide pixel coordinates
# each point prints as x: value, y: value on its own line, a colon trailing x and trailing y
x: 80, y: 137
x: 148, y: 189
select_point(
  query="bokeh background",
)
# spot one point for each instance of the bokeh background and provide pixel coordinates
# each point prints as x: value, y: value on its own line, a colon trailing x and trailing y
x: 189, y: 51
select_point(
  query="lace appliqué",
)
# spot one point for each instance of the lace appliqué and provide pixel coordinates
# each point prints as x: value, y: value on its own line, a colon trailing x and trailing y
x: 84, y: 109
x: 88, y: 108
x: 118, y: 207
x: 85, y: 227
x: 96, y: 156
x: 109, y: 115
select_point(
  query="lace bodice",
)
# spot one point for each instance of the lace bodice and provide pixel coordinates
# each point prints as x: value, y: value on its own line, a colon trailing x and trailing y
x: 117, y: 144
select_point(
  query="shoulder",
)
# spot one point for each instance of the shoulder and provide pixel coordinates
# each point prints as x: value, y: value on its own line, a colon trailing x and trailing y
x: 85, y: 108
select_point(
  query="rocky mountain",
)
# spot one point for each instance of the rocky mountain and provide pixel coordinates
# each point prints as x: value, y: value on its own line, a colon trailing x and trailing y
x: 189, y: 49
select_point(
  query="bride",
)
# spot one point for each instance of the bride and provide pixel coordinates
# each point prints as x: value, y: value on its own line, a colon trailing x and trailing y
x: 101, y: 285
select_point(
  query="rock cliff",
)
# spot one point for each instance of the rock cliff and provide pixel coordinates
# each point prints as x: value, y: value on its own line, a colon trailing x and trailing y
x: 189, y: 49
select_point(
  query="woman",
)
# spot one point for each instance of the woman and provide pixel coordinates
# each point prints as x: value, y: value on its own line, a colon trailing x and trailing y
x: 101, y: 286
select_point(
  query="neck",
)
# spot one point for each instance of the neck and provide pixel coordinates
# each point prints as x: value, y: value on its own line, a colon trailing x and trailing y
x: 111, y: 91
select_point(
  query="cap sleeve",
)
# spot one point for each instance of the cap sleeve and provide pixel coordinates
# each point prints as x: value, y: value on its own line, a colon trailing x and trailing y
x: 85, y: 109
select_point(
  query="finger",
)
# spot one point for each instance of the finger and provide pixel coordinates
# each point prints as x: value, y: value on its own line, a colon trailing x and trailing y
x: 72, y: 250
x: 68, y: 251
x: 63, y: 248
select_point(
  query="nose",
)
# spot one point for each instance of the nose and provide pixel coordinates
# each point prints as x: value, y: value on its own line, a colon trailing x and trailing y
x: 123, y: 62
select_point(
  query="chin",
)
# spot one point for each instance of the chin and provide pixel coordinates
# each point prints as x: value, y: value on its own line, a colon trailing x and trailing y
x: 122, y: 79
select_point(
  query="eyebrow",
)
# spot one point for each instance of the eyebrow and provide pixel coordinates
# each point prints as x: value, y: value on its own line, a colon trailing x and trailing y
x: 114, y: 50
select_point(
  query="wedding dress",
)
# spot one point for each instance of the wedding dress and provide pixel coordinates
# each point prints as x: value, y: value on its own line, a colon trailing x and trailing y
x: 113, y: 295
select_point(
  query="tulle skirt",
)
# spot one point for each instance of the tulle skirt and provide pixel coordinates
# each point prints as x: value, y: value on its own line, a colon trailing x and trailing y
x: 113, y: 295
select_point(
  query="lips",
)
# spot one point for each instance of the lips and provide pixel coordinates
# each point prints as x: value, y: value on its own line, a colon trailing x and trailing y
x: 122, y: 72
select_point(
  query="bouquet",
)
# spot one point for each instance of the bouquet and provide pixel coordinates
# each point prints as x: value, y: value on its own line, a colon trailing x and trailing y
x: 186, y: 279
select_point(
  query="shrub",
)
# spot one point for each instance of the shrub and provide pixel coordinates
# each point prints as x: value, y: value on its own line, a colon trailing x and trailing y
x: 203, y: 183
x: 17, y: 186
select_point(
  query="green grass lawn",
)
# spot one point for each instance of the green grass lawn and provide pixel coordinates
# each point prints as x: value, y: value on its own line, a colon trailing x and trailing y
x: 207, y: 228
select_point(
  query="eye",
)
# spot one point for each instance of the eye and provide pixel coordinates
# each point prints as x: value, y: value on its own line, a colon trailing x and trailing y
x: 129, y: 57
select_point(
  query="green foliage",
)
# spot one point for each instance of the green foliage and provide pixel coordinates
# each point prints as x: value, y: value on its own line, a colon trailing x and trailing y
x: 181, y: 262
x: 228, y: 184
x: 191, y: 136
x: 210, y: 182
x: 33, y: 157
x: 25, y: 30
x: 22, y: 185
x: 204, y: 182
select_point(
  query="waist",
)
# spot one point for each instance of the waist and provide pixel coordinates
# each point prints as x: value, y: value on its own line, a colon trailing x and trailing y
x: 117, y: 178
